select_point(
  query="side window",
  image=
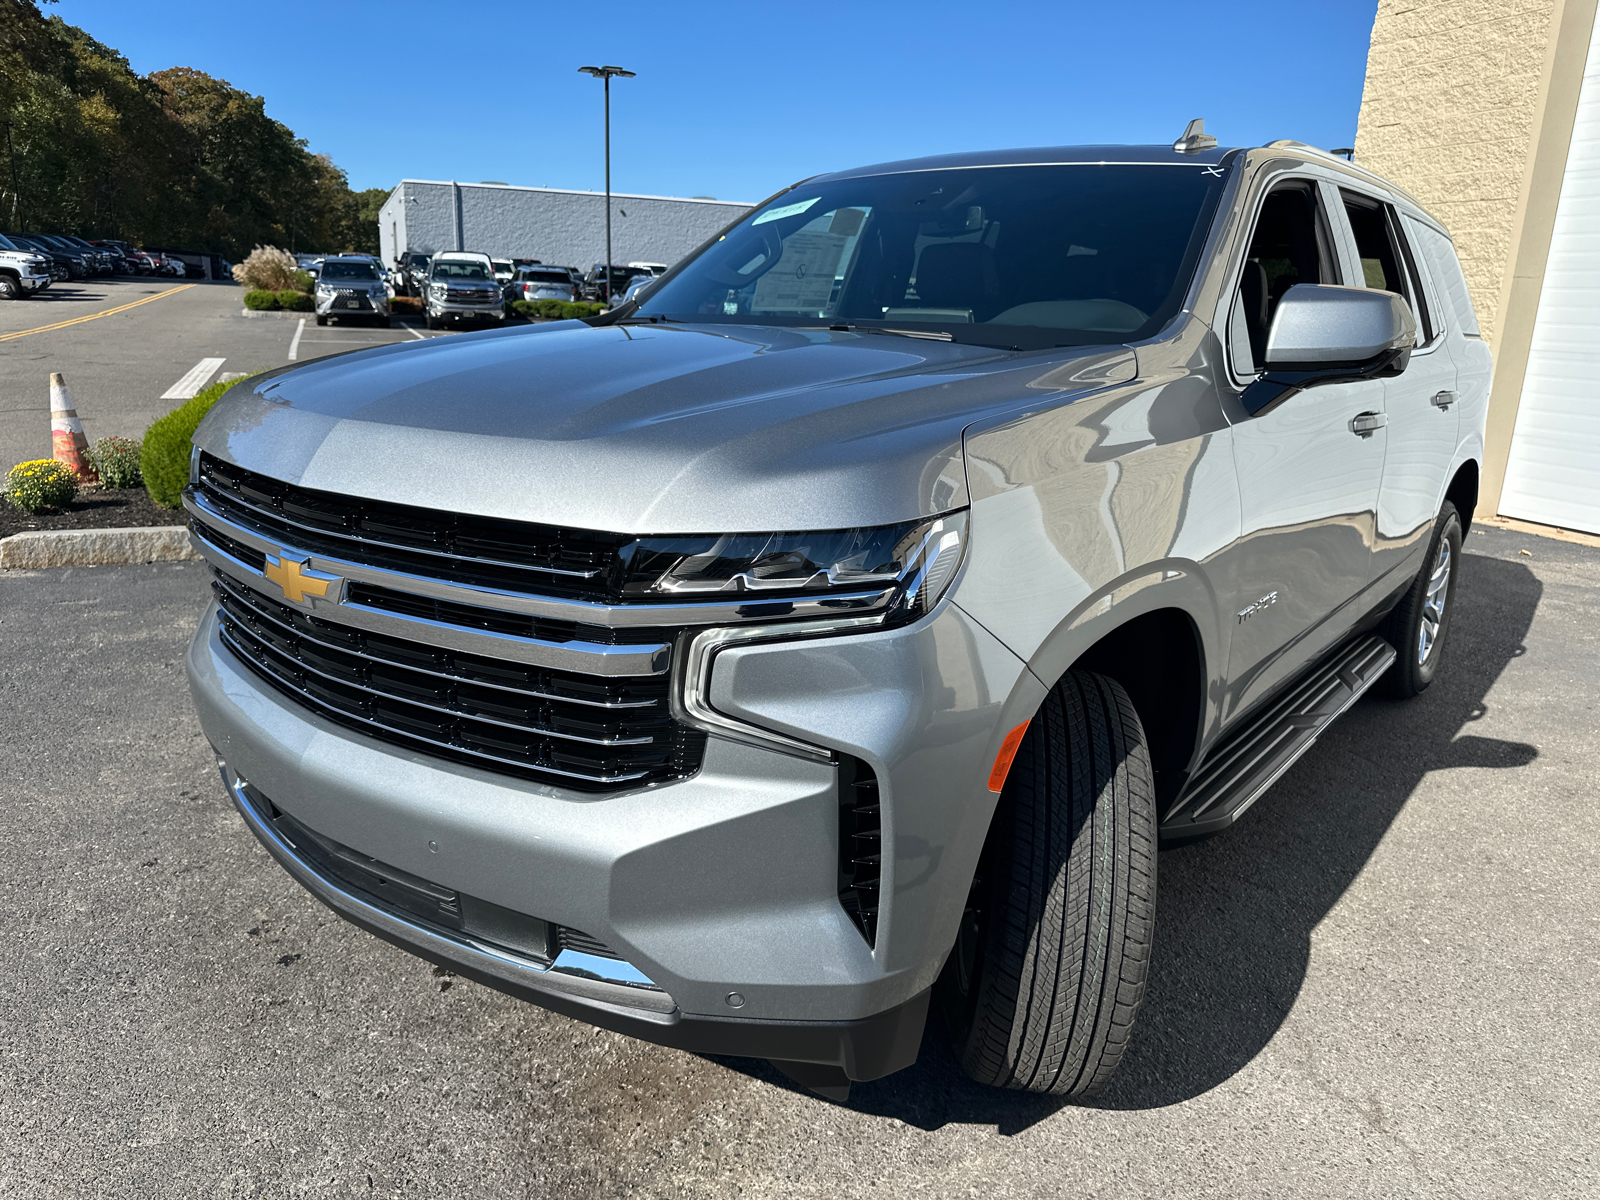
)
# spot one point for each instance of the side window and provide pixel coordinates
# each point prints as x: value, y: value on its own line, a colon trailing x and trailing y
x: 1440, y: 253
x: 1383, y: 255
x: 1289, y: 246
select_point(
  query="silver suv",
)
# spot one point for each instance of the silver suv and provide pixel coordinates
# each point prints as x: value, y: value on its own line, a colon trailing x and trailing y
x: 838, y: 632
x: 461, y: 286
x: 350, y: 285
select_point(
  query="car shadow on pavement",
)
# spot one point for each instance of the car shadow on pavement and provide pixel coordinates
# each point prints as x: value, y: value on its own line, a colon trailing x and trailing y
x: 69, y: 293
x: 1235, y: 913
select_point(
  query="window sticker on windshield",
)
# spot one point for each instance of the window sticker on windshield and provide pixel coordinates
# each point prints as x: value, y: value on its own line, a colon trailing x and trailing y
x: 803, y: 279
x: 847, y: 222
x: 788, y: 210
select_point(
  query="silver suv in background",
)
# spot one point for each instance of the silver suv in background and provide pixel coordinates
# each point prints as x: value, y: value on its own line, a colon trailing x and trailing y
x: 833, y: 635
x: 350, y: 286
x: 461, y: 286
x: 541, y: 283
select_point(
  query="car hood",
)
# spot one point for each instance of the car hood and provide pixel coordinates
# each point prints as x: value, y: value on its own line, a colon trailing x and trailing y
x: 639, y: 429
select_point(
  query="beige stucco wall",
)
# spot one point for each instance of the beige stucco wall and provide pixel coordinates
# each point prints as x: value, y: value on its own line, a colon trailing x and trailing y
x: 1449, y: 112
x: 1469, y: 106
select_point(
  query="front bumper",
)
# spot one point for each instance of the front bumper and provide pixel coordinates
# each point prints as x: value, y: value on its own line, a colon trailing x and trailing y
x: 494, y: 310
x: 721, y: 889
x: 352, y: 306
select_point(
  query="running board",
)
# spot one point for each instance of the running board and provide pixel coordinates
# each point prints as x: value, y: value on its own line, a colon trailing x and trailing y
x: 1246, y: 763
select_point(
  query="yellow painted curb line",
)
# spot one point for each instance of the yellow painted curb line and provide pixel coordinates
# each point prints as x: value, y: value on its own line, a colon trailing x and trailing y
x: 22, y: 333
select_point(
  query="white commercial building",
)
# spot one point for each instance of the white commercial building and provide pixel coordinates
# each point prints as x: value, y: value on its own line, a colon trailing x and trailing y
x: 549, y: 224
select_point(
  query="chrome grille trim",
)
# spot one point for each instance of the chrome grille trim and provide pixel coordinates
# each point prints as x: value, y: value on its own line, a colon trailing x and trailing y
x: 607, y: 705
x: 583, y: 612
x: 589, y: 658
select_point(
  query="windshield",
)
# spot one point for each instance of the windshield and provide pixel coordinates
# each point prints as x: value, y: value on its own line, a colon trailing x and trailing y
x: 1021, y: 256
x: 7, y: 244
x: 348, y: 270
x: 460, y: 270
x: 556, y: 277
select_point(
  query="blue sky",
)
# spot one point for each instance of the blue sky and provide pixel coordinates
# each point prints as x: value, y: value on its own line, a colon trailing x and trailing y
x: 738, y: 100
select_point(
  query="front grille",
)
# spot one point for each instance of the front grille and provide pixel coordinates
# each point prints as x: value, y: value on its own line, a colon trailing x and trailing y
x: 580, y: 731
x: 346, y: 295
x: 473, y: 296
x: 484, y: 551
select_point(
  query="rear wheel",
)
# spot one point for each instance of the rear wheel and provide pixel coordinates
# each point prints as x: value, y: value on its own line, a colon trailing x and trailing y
x: 1048, y: 971
x: 1417, y: 626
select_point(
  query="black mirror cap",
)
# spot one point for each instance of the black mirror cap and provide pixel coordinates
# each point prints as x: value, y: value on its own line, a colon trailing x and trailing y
x: 1276, y: 385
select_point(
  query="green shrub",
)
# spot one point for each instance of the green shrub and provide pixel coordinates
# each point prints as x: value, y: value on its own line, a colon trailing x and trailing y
x: 293, y: 301
x: 116, y: 461
x: 260, y: 300
x: 303, y: 281
x: 165, y: 459
x: 40, y: 483
x: 559, y: 310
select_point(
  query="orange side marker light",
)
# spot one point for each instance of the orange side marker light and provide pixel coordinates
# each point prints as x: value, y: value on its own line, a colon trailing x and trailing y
x: 1002, y: 761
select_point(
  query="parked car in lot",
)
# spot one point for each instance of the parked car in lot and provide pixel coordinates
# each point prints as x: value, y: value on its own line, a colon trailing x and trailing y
x: 652, y: 268
x: 461, y: 286
x: 98, y: 258
x: 411, y: 272
x: 595, y: 282
x: 540, y: 283
x: 504, y: 272
x: 834, y: 634
x: 63, y: 266
x: 23, y: 271
x: 348, y: 287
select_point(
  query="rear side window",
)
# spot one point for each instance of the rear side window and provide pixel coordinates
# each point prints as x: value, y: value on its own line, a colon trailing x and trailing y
x: 1382, y: 256
x: 1440, y: 254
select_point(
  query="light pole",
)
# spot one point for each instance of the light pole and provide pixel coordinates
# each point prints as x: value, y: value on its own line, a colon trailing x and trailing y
x: 605, y: 74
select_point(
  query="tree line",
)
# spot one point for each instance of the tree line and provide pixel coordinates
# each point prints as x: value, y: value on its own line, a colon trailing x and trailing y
x: 175, y: 159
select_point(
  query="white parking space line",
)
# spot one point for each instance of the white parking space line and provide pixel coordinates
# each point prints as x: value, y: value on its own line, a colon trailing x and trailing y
x: 419, y: 336
x: 294, y: 343
x: 195, y: 378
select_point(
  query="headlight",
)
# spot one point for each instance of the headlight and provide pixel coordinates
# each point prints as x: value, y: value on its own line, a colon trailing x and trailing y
x: 916, y: 559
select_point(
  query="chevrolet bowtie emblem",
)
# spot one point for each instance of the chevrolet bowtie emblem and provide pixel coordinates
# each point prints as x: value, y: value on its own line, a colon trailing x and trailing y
x: 296, y: 579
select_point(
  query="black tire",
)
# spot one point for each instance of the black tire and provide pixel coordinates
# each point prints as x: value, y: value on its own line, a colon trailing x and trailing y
x: 1046, y: 979
x: 1425, y: 607
x: 321, y: 320
x: 10, y: 289
x: 430, y: 322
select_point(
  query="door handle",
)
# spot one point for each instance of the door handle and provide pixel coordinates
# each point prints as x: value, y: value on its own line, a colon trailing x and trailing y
x: 1368, y: 423
x: 1443, y: 399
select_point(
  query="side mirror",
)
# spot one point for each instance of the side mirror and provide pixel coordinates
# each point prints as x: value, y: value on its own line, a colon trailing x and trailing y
x: 1325, y: 334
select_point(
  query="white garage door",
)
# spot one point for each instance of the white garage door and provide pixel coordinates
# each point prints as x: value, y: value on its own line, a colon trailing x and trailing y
x: 1553, y: 475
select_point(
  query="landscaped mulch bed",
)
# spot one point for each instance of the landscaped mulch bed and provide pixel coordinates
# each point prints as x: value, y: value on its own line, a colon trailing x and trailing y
x: 100, y: 508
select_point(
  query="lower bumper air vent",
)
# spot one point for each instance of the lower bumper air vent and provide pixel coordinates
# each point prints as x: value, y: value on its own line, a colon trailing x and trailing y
x: 860, y: 845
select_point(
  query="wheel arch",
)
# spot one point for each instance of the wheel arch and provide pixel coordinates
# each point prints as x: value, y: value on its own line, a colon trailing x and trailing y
x: 1463, y: 492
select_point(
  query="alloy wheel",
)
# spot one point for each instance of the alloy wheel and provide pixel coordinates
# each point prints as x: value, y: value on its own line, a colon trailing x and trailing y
x: 1433, y: 603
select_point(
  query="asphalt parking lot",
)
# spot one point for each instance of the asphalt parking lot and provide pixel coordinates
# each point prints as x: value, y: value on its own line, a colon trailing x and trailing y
x: 1382, y: 983
x: 123, y: 343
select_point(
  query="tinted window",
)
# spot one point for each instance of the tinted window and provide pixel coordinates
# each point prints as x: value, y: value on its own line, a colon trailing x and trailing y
x: 461, y: 270
x: 1380, y: 263
x: 1288, y: 246
x: 557, y: 277
x: 1446, y: 269
x: 6, y: 244
x: 348, y: 270
x: 1021, y: 255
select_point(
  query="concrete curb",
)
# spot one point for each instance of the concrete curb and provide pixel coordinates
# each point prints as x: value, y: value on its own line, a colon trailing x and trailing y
x: 95, y: 547
x: 274, y: 314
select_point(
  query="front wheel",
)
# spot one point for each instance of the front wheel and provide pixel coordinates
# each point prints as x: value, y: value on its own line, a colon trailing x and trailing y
x: 1049, y: 968
x: 9, y: 288
x: 321, y: 320
x: 1417, y: 626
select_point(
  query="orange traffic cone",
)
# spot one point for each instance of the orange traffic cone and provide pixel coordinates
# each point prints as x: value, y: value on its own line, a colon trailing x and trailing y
x: 66, y: 432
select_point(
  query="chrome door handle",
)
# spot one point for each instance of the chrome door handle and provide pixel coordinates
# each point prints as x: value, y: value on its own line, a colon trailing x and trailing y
x: 1368, y: 423
x: 1443, y: 399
